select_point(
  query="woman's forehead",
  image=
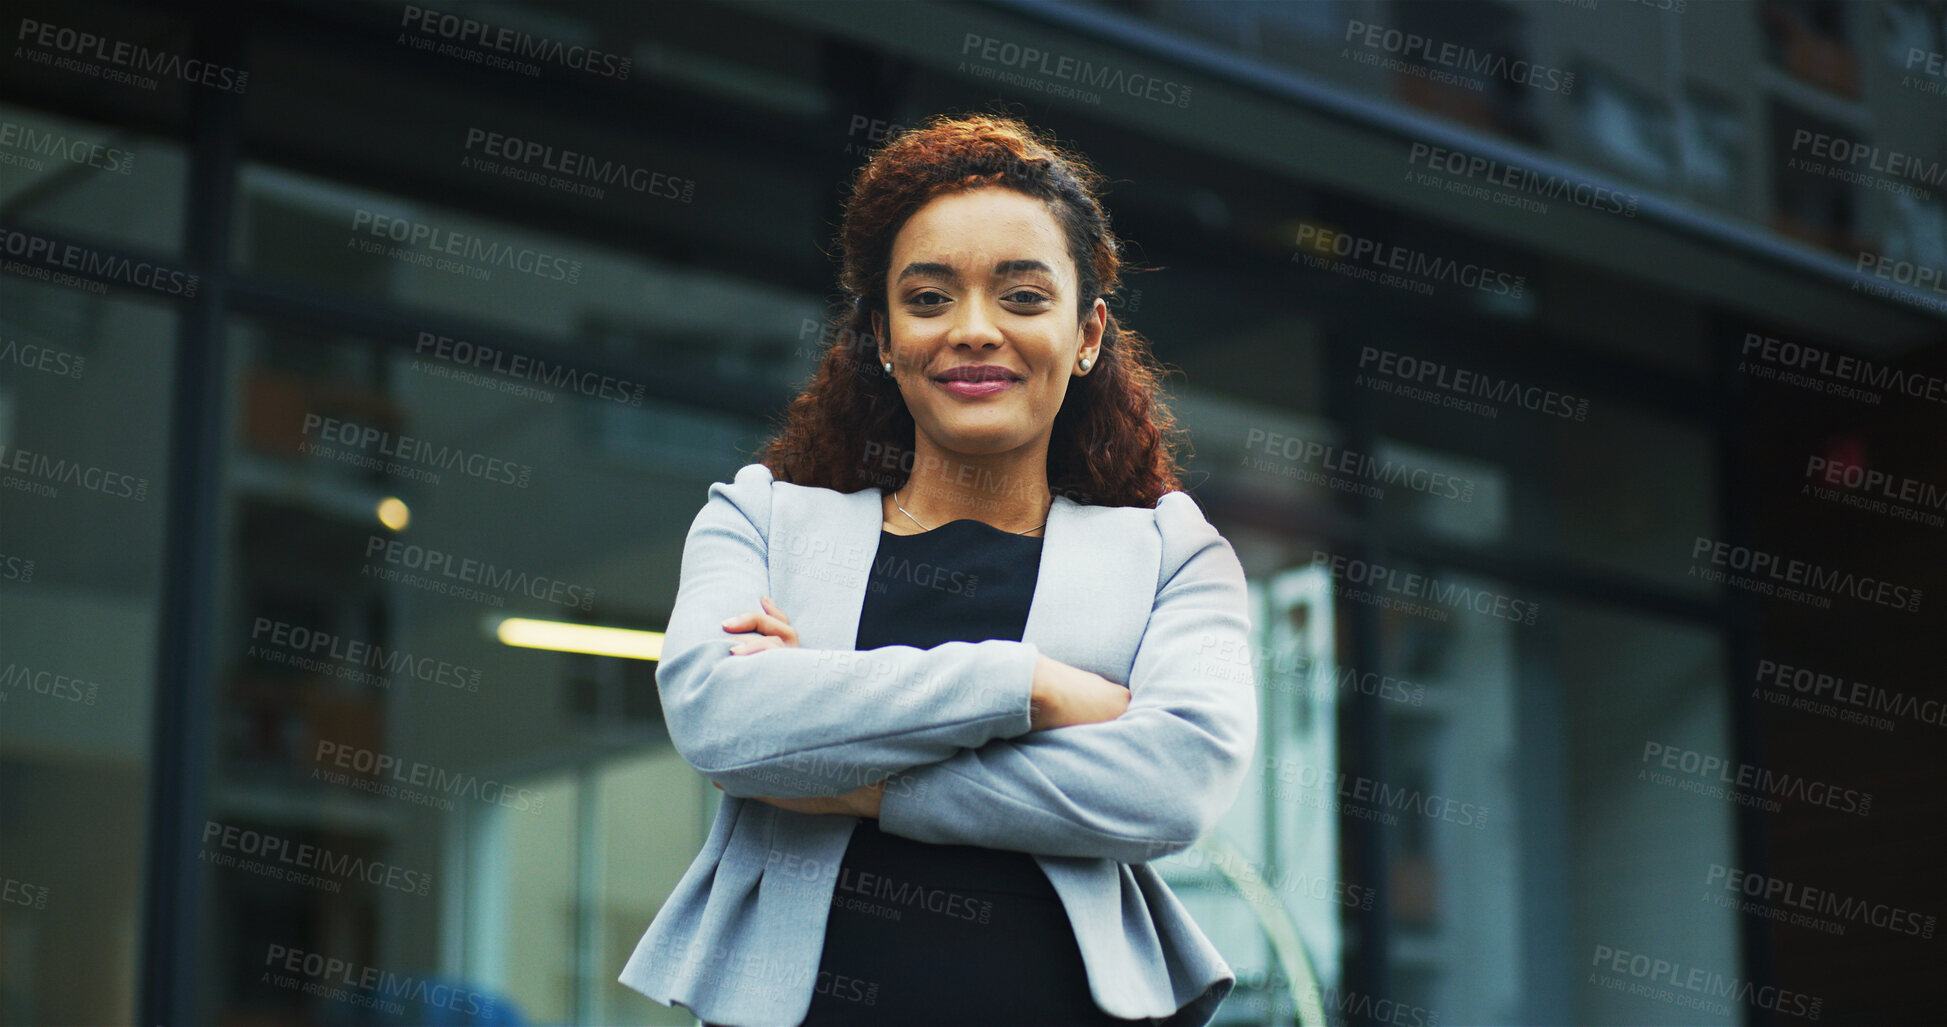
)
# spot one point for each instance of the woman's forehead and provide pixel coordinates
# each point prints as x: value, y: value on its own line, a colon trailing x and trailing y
x: 978, y: 231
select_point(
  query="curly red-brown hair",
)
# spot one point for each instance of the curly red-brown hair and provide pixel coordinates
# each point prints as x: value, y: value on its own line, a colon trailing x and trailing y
x: 1112, y: 440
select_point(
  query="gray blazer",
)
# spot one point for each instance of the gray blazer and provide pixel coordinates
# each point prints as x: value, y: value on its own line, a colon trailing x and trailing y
x: 1150, y: 598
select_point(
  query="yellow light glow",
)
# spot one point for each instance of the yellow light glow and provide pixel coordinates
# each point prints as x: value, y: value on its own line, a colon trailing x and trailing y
x: 394, y: 514
x: 627, y: 643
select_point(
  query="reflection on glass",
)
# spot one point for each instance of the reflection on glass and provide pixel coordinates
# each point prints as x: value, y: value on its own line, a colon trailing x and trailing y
x: 1527, y: 833
x: 80, y: 180
x: 442, y: 797
x: 522, y: 890
x: 1638, y: 849
x: 608, y: 306
x: 83, y: 471
x: 1446, y: 800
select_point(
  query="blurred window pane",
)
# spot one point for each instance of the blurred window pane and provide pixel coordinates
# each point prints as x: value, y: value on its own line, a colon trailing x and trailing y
x: 83, y: 436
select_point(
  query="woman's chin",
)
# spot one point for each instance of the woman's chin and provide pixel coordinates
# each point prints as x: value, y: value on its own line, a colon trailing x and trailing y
x: 976, y: 440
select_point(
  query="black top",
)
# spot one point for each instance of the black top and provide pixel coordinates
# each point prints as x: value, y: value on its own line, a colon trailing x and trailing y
x: 964, y: 581
x: 948, y: 935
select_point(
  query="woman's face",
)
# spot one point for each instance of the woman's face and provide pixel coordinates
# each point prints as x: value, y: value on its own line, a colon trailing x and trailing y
x: 984, y: 278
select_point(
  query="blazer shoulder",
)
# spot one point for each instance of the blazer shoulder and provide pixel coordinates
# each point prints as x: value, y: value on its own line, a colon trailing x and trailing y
x: 1179, y: 517
x: 751, y: 475
x: 749, y: 491
x: 1186, y: 532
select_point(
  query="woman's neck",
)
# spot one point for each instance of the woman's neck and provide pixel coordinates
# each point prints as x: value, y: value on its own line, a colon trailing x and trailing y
x: 1007, y: 490
x: 935, y: 494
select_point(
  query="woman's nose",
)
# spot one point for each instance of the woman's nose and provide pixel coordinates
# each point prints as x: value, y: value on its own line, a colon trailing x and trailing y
x: 974, y: 325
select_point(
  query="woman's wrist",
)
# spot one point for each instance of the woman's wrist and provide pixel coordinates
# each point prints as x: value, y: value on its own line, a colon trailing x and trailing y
x: 1063, y: 695
x: 864, y: 801
x: 1042, y: 694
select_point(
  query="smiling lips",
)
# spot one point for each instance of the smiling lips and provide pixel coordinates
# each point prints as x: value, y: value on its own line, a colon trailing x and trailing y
x: 976, y: 380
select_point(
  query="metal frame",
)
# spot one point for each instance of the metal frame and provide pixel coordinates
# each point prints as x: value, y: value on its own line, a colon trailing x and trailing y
x: 178, y: 779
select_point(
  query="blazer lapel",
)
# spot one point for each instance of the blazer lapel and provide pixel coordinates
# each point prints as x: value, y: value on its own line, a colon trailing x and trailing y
x: 1096, y: 583
x: 1092, y: 593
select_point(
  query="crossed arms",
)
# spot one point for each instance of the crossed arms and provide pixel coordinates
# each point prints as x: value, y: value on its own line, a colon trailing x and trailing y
x: 949, y: 730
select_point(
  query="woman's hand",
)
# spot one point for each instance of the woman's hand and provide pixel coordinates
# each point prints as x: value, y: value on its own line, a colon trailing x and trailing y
x: 859, y: 802
x: 1065, y: 695
x: 774, y: 629
x: 773, y: 626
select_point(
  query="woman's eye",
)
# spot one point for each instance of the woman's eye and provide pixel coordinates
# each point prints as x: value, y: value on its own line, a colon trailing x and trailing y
x: 1018, y: 297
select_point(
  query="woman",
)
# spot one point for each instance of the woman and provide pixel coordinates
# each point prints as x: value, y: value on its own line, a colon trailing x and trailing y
x: 964, y: 709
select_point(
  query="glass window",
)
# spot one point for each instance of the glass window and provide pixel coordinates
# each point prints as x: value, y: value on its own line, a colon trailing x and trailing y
x: 89, y: 181
x: 653, y: 813
x: 83, y: 486
x: 1445, y: 800
x: 1637, y: 704
x: 1531, y: 820
x: 391, y: 508
x: 602, y: 307
x: 524, y: 889
x: 554, y: 905
x: 1530, y: 467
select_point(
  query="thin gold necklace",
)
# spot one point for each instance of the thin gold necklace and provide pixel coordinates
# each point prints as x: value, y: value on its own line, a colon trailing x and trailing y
x: 922, y: 527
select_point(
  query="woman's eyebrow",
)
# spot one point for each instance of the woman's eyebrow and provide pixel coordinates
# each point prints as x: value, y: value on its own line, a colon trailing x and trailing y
x: 935, y: 269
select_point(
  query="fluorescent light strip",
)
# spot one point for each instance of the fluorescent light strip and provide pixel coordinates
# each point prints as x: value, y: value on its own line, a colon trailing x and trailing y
x: 560, y: 636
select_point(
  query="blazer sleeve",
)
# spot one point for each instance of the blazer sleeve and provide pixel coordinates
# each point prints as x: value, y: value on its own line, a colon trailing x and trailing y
x: 791, y: 721
x: 1140, y: 787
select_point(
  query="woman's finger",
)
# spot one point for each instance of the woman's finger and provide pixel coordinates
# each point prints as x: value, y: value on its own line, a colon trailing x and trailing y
x: 769, y: 625
x: 763, y: 641
x: 752, y: 636
x: 762, y: 623
x: 770, y: 607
